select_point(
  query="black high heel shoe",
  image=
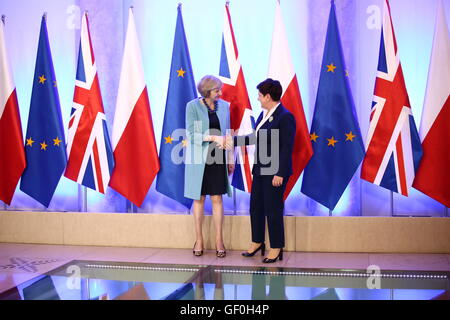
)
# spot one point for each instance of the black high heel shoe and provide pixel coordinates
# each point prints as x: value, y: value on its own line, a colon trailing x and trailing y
x: 279, y: 257
x: 221, y: 253
x: 197, y: 253
x: 261, y: 247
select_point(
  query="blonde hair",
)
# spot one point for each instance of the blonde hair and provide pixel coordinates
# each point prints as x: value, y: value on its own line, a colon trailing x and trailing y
x: 207, y: 84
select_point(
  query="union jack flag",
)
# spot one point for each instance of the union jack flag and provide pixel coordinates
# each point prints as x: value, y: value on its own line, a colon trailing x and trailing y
x: 91, y: 160
x: 235, y: 92
x: 393, y: 144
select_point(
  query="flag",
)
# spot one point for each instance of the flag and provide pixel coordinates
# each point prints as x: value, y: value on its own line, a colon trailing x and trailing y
x: 90, y: 160
x: 433, y: 175
x: 12, y: 158
x: 335, y: 134
x: 45, y: 145
x: 181, y: 90
x: 393, y: 149
x: 282, y: 69
x: 135, y: 153
x: 235, y: 92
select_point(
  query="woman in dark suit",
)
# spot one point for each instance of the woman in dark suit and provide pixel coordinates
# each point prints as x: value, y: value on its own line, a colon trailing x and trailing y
x: 274, y: 139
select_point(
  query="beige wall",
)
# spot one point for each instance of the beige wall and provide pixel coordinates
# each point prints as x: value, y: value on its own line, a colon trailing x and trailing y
x: 312, y: 234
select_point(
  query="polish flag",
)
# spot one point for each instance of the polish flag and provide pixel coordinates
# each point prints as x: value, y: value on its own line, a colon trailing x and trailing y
x: 12, y: 156
x: 433, y: 175
x: 133, y: 139
x: 282, y: 69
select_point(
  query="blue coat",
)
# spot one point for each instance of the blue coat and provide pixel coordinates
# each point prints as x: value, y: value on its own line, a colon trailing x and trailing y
x: 197, y: 126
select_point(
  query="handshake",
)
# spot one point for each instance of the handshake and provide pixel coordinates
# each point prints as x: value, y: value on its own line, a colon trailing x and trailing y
x: 224, y: 142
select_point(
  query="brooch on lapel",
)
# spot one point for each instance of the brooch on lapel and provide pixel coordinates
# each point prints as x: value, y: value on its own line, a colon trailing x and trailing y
x: 270, y: 119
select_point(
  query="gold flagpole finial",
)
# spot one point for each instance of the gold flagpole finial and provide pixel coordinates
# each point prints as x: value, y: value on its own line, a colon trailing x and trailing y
x: 179, y: 4
x: 45, y: 16
x: 227, y: 3
x: 3, y: 18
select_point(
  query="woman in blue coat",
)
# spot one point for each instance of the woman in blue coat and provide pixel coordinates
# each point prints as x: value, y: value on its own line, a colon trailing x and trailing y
x: 207, y: 168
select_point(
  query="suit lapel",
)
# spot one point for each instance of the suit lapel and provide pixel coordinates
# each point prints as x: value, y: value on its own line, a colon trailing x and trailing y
x: 259, y: 119
x: 274, y: 116
x: 278, y: 111
x: 202, y: 111
x: 221, y: 114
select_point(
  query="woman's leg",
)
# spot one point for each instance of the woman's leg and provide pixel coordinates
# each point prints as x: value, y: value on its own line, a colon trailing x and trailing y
x: 275, y: 221
x: 198, y: 209
x: 257, y: 218
x: 217, y: 210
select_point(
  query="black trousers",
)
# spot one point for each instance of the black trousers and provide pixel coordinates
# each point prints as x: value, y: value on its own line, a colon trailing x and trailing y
x: 267, y: 201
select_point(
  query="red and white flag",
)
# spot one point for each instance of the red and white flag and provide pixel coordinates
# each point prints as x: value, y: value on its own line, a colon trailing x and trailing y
x: 235, y: 92
x: 282, y: 69
x: 133, y: 138
x: 12, y: 153
x: 433, y: 176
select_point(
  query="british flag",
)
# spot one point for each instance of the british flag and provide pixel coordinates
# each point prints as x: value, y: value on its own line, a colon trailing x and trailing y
x: 91, y: 158
x: 393, y: 144
x: 235, y: 92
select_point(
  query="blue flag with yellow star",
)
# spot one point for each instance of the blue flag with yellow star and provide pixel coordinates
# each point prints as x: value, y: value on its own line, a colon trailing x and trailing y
x: 45, y: 145
x: 170, y: 180
x: 335, y: 134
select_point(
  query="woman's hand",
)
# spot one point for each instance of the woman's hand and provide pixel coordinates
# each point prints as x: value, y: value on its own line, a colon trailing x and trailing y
x: 228, y: 143
x: 277, y: 181
x: 224, y: 142
x: 230, y: 168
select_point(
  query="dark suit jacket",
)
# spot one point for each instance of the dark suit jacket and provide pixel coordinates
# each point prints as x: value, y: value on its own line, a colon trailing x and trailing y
x: 269, y: 138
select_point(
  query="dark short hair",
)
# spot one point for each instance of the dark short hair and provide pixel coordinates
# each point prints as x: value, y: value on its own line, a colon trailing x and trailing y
x: 272, y: 87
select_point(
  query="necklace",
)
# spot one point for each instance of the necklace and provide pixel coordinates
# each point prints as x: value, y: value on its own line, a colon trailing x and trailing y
x: 211, y: 111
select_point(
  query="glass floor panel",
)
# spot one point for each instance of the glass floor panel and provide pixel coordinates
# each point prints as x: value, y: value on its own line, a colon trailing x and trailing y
x: 95, y: 280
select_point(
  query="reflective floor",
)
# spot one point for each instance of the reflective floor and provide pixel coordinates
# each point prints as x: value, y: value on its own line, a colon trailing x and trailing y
x: 104, y: 280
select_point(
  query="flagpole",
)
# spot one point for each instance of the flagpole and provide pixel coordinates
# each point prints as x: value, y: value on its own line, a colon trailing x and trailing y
x: 392, y: 203
x: 360, y: 195
x: 3, y: 19
x: 234, y: 200
x: 82, y: 198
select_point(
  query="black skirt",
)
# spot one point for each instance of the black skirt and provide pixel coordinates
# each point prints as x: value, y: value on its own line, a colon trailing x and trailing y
x: 214, y: 177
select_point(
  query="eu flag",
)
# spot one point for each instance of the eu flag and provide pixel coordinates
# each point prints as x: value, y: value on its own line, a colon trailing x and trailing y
x: 45, y: 146
x: 170, y: 180
x: 335, y: 133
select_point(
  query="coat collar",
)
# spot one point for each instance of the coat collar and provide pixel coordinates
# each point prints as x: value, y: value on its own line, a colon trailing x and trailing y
x: 204, y: 108
x: 262, y: 121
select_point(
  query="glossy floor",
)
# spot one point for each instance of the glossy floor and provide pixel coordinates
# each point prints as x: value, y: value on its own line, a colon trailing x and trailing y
x: 81, y: 272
